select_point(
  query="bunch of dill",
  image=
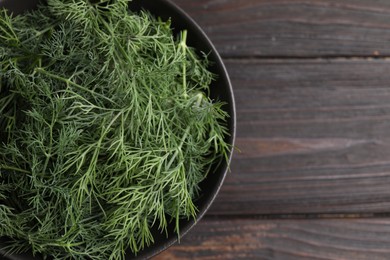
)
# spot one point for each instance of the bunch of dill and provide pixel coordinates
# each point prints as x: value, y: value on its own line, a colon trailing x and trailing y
x: 105, y: 129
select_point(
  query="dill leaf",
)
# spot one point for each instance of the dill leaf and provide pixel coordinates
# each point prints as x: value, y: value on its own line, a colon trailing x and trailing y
x: 106, y: 129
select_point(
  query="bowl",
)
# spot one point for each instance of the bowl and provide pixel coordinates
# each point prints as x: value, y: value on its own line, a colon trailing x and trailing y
x: 220, y: 89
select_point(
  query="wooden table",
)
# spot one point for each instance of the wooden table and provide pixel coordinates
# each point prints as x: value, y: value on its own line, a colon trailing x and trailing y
x: 312, y: 86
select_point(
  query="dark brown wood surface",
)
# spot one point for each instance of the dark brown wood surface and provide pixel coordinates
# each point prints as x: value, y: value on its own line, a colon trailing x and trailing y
x: 312, y: 87
x: 314, y: 137
x: 285, y: 239
x: 307, y: 28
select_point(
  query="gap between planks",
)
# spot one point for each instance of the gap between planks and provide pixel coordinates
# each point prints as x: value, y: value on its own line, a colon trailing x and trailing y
x: 325, y: 57
x: 297, y: 216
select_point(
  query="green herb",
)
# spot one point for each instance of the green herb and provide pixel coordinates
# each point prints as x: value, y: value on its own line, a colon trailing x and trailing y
x: 106, y: 129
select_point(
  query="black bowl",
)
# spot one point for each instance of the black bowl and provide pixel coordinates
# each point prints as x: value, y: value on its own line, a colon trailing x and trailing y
x: 221, y: 89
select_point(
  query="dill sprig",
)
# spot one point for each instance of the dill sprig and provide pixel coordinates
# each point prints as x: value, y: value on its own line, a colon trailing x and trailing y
x: 106, y: 129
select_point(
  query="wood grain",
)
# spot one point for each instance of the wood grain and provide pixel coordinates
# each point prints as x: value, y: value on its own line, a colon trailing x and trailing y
x: 314, y: 137
x: 364, y: 239
x: 294, y: 28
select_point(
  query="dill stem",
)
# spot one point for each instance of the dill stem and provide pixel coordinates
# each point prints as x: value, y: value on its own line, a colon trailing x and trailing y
x: 69, y: 82
x: 183, y: 45
x: 9, y: 99
x: 48, y: 155
x: 118, y: 45
x: 179, y: 148
x: 11, y: 168
x: 39, y: 33
x: 199, y: 99
x: 15, y: 37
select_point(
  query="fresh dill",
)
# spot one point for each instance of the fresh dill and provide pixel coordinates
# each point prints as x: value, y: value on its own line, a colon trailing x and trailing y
x: 106, y: 129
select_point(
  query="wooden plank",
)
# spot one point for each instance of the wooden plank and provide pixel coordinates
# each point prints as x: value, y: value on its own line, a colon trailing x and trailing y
x: 314, y: 137
x: 294, y: 27
x: 285, y: 239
